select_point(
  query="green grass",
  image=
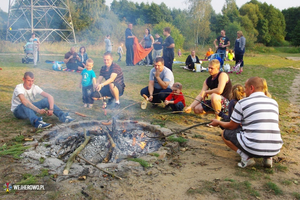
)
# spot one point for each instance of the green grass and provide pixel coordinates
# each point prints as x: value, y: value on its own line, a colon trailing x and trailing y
x: 14, y: 150
x: 141, y: 161
x: 177, y: 139
x: 272, y: 186
x: 28, y: 179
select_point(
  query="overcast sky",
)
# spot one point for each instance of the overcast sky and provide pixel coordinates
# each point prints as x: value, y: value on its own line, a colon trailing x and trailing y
x: 182, y: 4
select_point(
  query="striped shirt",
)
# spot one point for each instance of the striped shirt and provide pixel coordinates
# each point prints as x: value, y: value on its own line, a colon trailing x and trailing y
x: 259, y: 116
x: 114, y: 68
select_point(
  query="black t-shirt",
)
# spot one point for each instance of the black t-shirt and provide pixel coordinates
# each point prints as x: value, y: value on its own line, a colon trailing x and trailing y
x: 72, y: 60
x: 158, y: 46
x: 222, y: 40
x: 128, y: 41
x: 213, y: 83
x: 168, y: 52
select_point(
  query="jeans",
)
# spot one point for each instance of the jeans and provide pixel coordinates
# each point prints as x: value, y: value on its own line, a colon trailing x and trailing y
x: 87, y: 94
x: 177, y: 107
x: 158, y: 94
x: 222, y: 54
x: 120, y: 57
x: 22, y: 112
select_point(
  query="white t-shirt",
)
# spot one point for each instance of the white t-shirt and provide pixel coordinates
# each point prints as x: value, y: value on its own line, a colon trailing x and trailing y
x: 29, y: 95
x: 166, y: 75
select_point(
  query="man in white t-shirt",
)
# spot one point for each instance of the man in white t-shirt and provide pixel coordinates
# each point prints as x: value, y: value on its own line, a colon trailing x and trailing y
x: 161, y: 80
x: 253, y: 130
x: 23, y: 103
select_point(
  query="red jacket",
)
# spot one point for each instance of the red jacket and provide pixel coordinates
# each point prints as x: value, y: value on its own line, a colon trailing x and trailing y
x: 176, y: 98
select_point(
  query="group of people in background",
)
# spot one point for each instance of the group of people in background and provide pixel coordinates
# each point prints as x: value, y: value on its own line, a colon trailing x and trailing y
x: 250, y: 128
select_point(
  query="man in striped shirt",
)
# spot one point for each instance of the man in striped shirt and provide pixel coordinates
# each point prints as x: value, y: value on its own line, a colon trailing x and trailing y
x: 253, y: 130
x: 113, y: 85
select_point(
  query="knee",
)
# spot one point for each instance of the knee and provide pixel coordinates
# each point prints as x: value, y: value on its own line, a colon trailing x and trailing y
x: 198, y: 109
x: 215, y: 98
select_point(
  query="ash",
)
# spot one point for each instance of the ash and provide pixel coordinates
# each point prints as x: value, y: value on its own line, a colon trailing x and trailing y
x: 108, y: 143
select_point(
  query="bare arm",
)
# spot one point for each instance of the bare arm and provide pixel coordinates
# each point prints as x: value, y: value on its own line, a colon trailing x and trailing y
x: 215, y: 43
x: 28, y: 104
x: 223, y: 78
x: 151, y: 90
x: 171, y: 46
x: 152, y: 39
x: 50, y: 101
x: 227, y: 125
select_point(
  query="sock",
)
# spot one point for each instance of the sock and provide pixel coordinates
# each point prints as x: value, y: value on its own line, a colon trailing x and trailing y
x: 118, y: 102
x: 243, y: 155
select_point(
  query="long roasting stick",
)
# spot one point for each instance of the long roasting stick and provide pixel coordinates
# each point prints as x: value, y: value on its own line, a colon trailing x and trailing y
x: 113, y: 175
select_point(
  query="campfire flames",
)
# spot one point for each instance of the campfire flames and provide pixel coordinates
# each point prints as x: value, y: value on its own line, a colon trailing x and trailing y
x: 110, y: 142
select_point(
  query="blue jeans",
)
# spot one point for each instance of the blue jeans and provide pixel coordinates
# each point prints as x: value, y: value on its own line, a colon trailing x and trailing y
x: 158, y: 94
x: 120, y: 57
x: 87, y: 94
x: 177, y: 107
x: 22, y: 112
x: 222, y: 54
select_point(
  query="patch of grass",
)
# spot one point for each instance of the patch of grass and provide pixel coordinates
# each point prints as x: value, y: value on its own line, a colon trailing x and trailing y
x: 44, y: 172
x: 272, y: 186
x: 154, y: 154
x: 296, y: 195
x: 287, y: 182
x: 28, y: 179
x: 177, y: 139
x: 15, y: 150
x: 42, y: 160
x: 281, y: 168
x: 19, y: 138
x: 141, y: 161
x: 229, y: 179
x: 198, y: 136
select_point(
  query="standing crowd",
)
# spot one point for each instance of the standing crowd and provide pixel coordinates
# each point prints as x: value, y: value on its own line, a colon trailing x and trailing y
x: 250, y: 128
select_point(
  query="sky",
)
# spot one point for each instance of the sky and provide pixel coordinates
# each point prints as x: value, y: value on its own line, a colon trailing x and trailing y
x: 182, y: 4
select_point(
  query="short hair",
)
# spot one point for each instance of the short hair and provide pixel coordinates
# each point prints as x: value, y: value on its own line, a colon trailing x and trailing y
x: 33, y: 33
x: 167, y: 29
x: 30, y: 74
x: 89, y: 60
x: 81, y: 48
x: 107, y: 35
x: 159, y: 59
x: 223, y: 30
x: 107, y: 54
x: 238, y: 92
x: 240, y: 32
x: 256, y: 82
x: 214, y: 62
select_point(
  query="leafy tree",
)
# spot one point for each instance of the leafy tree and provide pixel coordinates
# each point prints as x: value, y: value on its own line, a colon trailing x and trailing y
x: 292, y: 17
x: 3, y: 19
x: 296, y: 34
x: 175, y: 33
x: 230, y: 10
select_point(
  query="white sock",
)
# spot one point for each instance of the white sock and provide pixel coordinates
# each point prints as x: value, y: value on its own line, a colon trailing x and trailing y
x: 118, y: 102
x: 243, y: 155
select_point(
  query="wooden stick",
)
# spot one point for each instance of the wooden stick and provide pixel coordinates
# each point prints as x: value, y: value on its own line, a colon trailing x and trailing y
x: 75, y: 153
x: 113, y: 175
x: 80, y: 114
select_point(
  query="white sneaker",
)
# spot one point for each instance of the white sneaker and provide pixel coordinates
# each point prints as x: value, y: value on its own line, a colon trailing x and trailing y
x: 246, y: 163
x: 90, y: 105
x: 267, y: 162
x: 85, y: 105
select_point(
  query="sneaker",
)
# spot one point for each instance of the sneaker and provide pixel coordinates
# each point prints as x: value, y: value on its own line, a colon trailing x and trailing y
x: 39, y: 123
x: 267, y: 162
x: 116, y: 106
x: 90, y: 105
x: 110, y: 101
x: 67, y: 119
x: 246, y: 163
x: 208, y: 125
x: 85, y: 105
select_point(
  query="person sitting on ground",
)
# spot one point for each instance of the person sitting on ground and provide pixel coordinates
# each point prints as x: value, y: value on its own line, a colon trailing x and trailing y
x: 87, y: 83
x: 218, y: 86
x: 259, y: 133
x: 191, y: 60
x: 113, y: 85
x: 83, y: 57
x: 209, y: 53
x: 71, y: 59
x: 161, y: 80
x: 24, y: 107
x: 176, y: 99
x: 237, y: 93
x: 230, y: 55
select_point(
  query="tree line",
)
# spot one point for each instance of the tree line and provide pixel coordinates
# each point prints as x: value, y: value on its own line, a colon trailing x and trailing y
x: 197, y: 25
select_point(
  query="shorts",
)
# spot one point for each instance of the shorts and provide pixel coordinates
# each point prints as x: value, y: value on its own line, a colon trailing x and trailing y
x: 224, y: 105
x: 105, y: 91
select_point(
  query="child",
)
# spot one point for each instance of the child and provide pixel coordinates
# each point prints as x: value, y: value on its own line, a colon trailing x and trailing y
x: 120, y: 51
x: 87, y: 83
x: 176, y: 98
x: 209, y: 53
x: 179, y: 52
x: 238, y: 93
x: 230, y: 55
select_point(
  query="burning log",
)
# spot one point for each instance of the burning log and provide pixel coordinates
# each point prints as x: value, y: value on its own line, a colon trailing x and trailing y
x: 133, y: 141
x: 75, y: 153
x: 113, y: 175
x: 110, y: 151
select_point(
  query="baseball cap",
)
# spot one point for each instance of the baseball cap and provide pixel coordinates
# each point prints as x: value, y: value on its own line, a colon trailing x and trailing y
x: 177, y: 85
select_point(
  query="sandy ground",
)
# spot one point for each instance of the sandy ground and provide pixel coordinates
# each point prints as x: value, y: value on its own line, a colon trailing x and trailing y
x: 204, y: 169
